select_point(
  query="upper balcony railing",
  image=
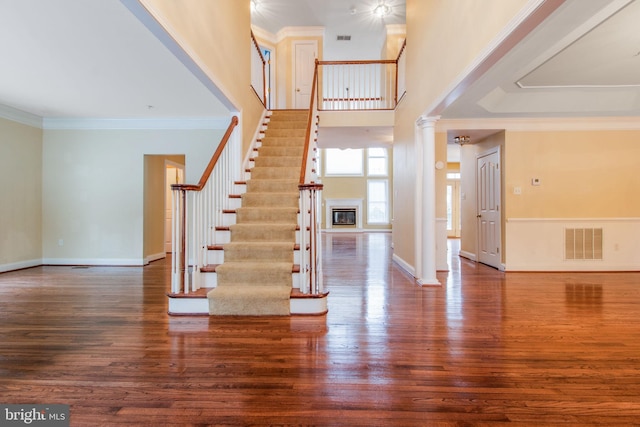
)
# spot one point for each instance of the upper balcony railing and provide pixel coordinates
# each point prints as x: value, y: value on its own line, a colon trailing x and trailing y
x: 258, y: 71
x: 361, y: 85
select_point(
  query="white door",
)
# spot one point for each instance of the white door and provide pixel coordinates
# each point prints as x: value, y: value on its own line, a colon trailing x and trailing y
x: 174, y: 175
x: 488, y: 212
x: 304, y: 62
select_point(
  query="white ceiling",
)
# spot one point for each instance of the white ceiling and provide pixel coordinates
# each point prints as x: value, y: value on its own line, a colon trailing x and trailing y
x: 94, y: 58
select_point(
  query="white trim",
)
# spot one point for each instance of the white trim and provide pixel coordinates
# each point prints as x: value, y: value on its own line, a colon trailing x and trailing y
x: 19, y: 116
x: 542, y: 124
x: 468, y: 255
x: 408, y: 268
x: 566, y: 220
x: 265, y: 35
x: 154, y: 257
x: 217, y: 123
x: 107, y: 262
x: 20, y: 265
x: 299, y: 32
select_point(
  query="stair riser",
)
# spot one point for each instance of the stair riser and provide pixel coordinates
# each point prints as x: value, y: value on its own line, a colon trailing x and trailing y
x: 229, y: 219
x: 224, y: 236
x: 217, y: 257
x: 283, y: 162
x: 287, y: 124
x: 275, y: 200
x: 210, y: 280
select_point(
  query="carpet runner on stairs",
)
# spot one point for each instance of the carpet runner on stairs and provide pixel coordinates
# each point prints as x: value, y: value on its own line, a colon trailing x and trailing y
x: 255, y: 278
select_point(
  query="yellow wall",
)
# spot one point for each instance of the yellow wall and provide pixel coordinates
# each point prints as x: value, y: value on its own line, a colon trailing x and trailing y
x: 20, y: 195
x: 587, y: 174
x: 437, y: 53
x: 216, y: 33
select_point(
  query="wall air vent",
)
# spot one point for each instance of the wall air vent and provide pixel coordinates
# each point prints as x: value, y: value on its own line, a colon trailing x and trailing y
x: 583, y: 243
x: 344, y: 38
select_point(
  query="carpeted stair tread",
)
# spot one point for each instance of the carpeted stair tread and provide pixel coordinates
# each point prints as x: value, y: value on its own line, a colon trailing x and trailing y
x: 259, y: 251
x: 277, y: 161
x: 286, y: 200
x: 272, y: 185
x: 263, y: 233
x: 250, y: 301
x: 257, y: 273
x: 275, y: 173
x: 273, y: 215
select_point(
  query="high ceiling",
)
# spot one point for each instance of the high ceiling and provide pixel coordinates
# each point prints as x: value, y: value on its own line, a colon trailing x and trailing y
x: 94, y: 58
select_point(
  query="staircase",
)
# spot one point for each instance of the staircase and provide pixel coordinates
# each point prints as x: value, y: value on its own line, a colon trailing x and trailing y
x: 256, y: 275
x: 253, y: 268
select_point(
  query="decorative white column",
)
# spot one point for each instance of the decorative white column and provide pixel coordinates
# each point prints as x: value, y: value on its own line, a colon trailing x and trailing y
x: 426, y: 201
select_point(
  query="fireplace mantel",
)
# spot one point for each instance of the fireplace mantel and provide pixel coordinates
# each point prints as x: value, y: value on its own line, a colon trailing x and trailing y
x: 341, y: 204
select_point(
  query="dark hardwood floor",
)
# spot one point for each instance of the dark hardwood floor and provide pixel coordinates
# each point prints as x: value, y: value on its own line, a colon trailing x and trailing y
x: 486, y: 348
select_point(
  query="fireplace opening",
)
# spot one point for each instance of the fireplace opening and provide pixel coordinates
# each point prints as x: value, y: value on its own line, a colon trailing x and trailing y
x: 343, y: 216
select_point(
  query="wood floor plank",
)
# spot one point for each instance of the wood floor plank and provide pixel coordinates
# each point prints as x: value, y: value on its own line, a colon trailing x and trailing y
x: 486, y: 348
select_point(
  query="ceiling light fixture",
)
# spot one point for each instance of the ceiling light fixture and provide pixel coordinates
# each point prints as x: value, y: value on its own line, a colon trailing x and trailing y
x: 382, y: 10
x: 254, y: 5
x: 461, y: 139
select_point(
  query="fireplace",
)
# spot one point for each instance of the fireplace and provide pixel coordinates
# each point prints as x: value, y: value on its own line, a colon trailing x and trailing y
x: 343, y: 216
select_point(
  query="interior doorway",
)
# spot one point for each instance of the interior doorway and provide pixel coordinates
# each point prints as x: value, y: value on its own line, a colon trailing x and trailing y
x: 174, y: 174
x: 453, y: 205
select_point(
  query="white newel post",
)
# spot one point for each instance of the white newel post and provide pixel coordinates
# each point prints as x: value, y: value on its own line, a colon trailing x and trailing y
x: 426, y: 201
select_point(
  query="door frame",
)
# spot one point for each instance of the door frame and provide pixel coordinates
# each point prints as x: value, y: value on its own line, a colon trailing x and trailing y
x: 167, y: 190
x: 294, y: 44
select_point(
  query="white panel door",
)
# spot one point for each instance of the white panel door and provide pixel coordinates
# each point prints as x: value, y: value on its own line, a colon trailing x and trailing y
x: 488, y: 212
x: 304, y: 62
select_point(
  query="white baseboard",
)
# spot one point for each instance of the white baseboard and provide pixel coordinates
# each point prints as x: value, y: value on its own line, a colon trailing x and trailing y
x: 468, y: 255
x: 154, y: 257
x: 134, y: 262
x: 20, y: 265
x: 408, y: 268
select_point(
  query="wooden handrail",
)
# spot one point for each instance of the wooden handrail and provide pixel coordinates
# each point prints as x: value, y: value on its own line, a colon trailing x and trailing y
x: 214, y: 159
x: 307, y: 139
x: 404, y: 45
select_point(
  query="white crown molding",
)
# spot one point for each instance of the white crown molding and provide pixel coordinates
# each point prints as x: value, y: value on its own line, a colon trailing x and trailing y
x: 264, y: 35
x: 20, y: 116
x: 542, y: 124
x: 299, y: 32
x: 131, y: 124
x: 396, y: 29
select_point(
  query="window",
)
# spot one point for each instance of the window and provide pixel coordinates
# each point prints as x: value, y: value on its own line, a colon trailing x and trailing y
x: 343, y: 162
x: 377, y: 201
x: 377, y: 162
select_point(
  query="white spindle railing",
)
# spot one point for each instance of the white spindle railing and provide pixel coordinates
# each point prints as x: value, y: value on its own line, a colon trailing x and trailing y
x: 258, y: 65
x: 197, y: 211
x: 362, y: 85
x: 310, y: 190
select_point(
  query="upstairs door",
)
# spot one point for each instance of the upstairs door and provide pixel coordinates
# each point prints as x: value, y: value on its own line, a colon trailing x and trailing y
x: 304, y: 62
x: 488, y: 212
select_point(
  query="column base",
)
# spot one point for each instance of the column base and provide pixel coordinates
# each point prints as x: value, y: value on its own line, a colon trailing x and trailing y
x: 428, y: 282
